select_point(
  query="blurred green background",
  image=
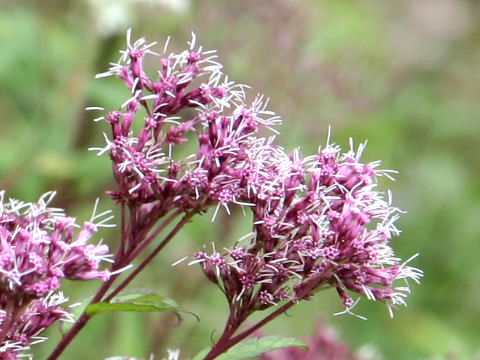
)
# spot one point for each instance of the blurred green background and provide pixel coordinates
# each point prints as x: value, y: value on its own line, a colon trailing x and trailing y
x: 403, y: 74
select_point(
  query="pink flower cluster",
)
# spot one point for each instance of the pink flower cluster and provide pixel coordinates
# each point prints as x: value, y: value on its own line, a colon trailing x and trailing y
x: 186, y: 140
x: 318, y: 221
x: 152, y: 165
x: 23, y: 325
x: 38, y: 248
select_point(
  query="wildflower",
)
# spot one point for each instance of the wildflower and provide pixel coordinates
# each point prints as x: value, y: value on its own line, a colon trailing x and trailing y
x: 39, y: 248
x: 24, y: 324
x: 154, y: 174
x: 145, y: 163
x: 318, y: 221
x: 321, y: 225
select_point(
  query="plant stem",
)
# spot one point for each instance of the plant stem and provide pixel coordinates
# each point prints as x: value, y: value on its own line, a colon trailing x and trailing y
x: 228, y: 331
x: 225, y: 342
x: 121, y: 250
x: 143, y: 244
x: 150, y: 257
x: 236, y: 339
x: 81, y: 322
x: 84, y: 318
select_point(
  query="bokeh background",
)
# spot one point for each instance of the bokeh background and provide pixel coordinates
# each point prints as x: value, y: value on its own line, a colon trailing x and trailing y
x: 403, y: 74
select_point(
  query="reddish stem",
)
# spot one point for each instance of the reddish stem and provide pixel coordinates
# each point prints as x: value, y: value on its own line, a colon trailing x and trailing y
x: 150, y: 257
x: 143, y: 244
x: 226, y: 342
x: 80, y: 323
x: 84, y: 318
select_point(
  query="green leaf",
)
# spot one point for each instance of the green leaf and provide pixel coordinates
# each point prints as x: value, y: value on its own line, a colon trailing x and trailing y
x: 254, y: 347
x: 134, y: 302
x: 201, y: 355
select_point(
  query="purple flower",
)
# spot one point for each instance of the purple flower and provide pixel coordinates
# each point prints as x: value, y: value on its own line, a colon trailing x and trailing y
x: 38, y: 248
x: 23, y: 325
x: 167, y: 159
x: 319, y: 223
x: 146, y: 165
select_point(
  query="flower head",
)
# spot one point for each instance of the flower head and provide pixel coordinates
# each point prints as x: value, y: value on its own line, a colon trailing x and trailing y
x: 151, y: 166
x: 321, y: 224
x: 318, y: 221
x: 39, y: 246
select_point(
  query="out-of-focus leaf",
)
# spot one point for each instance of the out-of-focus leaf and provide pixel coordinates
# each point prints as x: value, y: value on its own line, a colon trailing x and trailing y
x: 254, y: 347
x: 136, y: 303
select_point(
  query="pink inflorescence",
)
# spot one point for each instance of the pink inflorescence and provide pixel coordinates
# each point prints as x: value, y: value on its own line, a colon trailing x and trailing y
x: 39, y: 246
x: 318, y: 221
x: 197, y: 144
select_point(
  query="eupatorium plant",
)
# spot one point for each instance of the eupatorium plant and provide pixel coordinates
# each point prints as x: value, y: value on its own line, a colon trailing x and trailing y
x: 184, y: 141
x: 40, y: 246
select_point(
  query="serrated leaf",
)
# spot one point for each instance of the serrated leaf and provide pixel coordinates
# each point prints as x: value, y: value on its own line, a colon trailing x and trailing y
x: 254, y: 347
